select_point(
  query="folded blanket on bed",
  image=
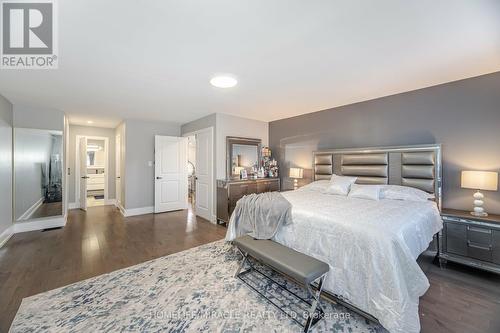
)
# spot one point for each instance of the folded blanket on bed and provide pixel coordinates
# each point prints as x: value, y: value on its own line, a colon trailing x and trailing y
x: 261, y: 215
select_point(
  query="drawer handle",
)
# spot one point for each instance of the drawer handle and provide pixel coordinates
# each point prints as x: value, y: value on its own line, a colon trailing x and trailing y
x: 474, y: 229
x: 486, y: 248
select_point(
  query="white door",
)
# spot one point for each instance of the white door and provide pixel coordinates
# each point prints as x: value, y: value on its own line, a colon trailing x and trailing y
x: 171, y: 179
x: 83, y: 173
x: 118, y: 156
x: 204, y: 173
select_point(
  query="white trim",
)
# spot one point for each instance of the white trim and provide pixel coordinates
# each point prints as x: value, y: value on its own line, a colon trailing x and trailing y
x: 6, y: 235
x: 77, y: 165
x: 40, y: 224
x: 136, y: 211
x: 120, y: 207
x: 27, y: 214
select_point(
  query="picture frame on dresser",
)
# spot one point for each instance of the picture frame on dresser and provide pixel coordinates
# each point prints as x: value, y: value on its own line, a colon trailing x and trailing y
x: 470, y: 240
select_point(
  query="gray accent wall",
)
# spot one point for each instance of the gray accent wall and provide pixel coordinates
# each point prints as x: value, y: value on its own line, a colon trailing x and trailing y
x: 30, y: 117
x: 109, y: 133
x: 464, y: 116
x: 140, y: 142
x: 199, y: 124
x: 5, y: 165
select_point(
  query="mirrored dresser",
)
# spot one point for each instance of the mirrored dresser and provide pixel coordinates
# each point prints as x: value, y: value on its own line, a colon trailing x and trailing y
x: 230, y: 191
x: 471, y: 240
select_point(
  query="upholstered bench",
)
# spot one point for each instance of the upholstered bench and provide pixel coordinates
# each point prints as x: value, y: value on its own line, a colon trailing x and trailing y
x: 295, y: 265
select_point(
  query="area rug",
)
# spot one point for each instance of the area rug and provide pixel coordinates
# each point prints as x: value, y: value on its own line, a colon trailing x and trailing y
x: 190, y: 291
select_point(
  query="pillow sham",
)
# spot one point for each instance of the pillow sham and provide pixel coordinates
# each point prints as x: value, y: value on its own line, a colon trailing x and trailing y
x: 340, y: 185
x: 398, y: 192
x: 318, y: 185
x: 369, y: 192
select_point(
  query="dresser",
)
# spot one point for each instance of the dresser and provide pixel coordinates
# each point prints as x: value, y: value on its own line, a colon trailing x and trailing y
x: 230, y: 191
x: 471, y: 240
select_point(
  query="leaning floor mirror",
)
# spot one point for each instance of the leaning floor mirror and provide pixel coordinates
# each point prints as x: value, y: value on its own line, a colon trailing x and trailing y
x: 38, y: 183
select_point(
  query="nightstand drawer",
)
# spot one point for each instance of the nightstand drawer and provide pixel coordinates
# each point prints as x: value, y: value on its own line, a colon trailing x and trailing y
x: 479, y: 251
x: 456, y: 238
x: 479, y: 235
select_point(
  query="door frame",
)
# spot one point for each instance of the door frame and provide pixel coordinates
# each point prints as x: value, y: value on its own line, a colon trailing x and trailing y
x: 118, y: 159
x: 211, y: 167
x: 77, y: 166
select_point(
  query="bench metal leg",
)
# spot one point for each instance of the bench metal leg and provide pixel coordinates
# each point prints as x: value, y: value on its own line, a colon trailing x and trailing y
x: 313, y: 316
x: 242, y: 263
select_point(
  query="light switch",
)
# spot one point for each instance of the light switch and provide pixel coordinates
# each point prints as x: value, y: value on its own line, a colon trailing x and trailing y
x: 150, y: 163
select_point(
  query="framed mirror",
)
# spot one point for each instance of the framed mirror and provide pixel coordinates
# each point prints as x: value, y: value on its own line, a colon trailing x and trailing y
x: 38, y: 177
x: 242, y: 154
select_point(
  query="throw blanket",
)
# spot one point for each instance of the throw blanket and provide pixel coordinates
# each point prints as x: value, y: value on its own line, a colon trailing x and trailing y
x: 260, y: 215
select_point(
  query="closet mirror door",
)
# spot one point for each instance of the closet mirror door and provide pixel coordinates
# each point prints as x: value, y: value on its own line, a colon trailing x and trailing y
x: 38, y: 156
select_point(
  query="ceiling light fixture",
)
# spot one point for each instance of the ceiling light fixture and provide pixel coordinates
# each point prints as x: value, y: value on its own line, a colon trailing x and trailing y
x: 90, y: 122
x: 224, y: 81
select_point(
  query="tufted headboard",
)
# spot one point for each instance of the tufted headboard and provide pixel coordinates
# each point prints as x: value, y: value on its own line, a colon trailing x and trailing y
x: 413, y: 166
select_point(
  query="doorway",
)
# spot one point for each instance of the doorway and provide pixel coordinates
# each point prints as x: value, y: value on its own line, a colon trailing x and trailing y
x: 96, y: 170
x: 201, y: 181
x: 91, y: 171
x: 192, y: 170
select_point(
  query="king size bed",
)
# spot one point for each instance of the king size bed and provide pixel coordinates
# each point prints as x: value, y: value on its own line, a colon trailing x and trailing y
x: 371, y: 246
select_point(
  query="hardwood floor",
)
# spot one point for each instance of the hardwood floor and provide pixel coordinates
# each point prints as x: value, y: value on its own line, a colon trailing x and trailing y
x: 92, y: 243
x: 100, y: 241
x: 48, y: 209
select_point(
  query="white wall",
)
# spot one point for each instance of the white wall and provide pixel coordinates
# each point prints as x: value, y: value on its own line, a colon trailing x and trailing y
x: 228, y: 125
x: 109, y: 133
x: 5, y: 168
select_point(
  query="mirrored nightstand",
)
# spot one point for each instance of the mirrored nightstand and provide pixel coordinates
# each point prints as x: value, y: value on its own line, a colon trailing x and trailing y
x: 470, y: 240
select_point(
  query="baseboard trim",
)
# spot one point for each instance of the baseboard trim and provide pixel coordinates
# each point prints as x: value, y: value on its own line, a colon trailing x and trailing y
x: 136, y: 211
x: 27, y: 214
x: 6, y: 235
x: 40, y: 224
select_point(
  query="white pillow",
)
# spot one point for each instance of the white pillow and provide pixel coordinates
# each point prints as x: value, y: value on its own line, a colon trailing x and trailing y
x: 370, y: 192
x: 318, y: 185
x: 398, y: 192
x: 340, y: 185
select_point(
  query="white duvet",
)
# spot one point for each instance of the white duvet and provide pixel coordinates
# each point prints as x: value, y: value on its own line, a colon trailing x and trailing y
x: 371, y: 247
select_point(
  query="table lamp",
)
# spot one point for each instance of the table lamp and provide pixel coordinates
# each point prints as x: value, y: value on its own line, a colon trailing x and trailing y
x: 296, y: 173
x: 479, y: 180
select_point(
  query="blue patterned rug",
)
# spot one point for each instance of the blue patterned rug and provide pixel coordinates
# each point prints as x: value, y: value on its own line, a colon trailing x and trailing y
x: 190, y: 291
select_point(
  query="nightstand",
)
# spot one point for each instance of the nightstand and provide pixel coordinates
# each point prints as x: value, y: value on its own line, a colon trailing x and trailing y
x: 470, y: 240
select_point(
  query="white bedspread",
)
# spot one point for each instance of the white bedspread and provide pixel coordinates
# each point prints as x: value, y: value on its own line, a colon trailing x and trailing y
x: 371, y: 247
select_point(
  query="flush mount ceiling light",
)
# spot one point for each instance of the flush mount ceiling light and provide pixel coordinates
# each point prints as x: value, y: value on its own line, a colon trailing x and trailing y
x: 90, y: 122
x: 224, y: 81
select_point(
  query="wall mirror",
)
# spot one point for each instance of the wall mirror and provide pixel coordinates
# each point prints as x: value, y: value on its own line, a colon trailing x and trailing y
x: 242, y: 154
x: 96, y: 156
x: 38, y: 156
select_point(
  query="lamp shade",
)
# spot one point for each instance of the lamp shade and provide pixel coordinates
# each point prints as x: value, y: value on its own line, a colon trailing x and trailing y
x: 296, y: 172
x: 480, y: 180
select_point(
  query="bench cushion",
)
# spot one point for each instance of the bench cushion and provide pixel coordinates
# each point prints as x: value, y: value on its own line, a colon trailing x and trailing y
x: 298, y: 266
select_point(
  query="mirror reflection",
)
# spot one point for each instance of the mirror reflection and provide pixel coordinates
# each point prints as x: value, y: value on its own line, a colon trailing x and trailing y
x: 245, y: 157
x: 37, y: 173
